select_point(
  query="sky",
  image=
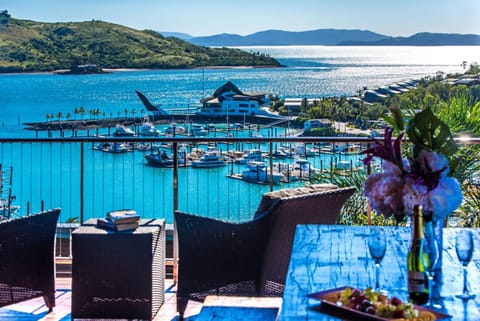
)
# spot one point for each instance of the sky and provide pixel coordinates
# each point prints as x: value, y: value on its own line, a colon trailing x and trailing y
x: 208, y: 17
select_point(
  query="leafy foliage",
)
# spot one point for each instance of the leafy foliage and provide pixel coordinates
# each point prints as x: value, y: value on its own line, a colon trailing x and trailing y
x: 428, y: 132
x: 35, y: 46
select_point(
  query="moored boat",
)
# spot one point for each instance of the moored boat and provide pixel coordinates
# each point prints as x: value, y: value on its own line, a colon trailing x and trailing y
x: 148, y: 129
x: 211, y: 158
x: 113, y: 148
x: 122, y: 131
x: 160, y: 159
x: 257, y: 172
x: 174, y: 128
x: 198, y: 130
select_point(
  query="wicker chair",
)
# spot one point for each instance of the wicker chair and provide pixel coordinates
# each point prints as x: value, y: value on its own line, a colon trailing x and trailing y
x: 27, y: 268
x: 315, y: 204
x: 251, y: 258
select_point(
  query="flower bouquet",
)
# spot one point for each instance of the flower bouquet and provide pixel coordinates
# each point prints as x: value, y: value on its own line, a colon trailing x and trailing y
x: 419, y: 176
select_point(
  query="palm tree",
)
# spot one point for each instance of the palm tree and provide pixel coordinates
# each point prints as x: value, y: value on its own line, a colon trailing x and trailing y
x: 76, y: 111
x: 59, y: 116
x: 82, y: 111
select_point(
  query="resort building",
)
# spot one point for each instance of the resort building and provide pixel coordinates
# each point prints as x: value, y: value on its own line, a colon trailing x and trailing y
x: 371, y: 96
x: 317, y: 123
x: 229, y: 100
x: 293, y: 105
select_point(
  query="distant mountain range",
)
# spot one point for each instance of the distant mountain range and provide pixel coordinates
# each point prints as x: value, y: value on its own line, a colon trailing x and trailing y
x: 329, y: 37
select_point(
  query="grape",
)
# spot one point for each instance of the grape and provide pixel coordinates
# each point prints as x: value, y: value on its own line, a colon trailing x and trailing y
x: 395, y: 301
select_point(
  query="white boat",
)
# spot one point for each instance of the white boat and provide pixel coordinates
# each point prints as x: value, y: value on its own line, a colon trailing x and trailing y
x: 257, y: 172
x: 303, y: 150
x: 249, y: 156
x: 122, y: 131
x: 279, y: 153
x: 211, y: 158
x: 160, y: 159
x: 174, y: 128
x: 113, y: 148
x: 148, y: 129
x: 198, y: 130
x: 303, y: 168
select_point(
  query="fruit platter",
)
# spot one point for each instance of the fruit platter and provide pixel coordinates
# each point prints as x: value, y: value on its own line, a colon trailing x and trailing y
x: 375, y: 306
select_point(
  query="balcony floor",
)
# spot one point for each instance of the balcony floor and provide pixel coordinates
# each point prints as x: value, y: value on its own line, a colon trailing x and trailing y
x: 35, y: 309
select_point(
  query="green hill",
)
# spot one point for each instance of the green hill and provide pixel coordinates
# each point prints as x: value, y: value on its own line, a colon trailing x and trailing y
x: 27, y: 46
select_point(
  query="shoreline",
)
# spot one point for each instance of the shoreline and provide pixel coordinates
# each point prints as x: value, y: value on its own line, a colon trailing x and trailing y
x: 85, y: 124
x: 118, y: 70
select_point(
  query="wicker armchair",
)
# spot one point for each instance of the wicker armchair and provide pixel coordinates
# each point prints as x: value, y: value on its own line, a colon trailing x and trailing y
x: 27, y: 268
x: 251, y: 258
x: 315, y: 204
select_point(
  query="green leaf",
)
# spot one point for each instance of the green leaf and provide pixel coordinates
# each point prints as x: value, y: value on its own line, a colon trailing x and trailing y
x: 426, y: 131
x: 397, y: 119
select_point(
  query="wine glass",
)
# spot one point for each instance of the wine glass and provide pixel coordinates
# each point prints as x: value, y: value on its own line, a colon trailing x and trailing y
x: 430, y: 256
x: 377, y: 245
x: 464, y: 248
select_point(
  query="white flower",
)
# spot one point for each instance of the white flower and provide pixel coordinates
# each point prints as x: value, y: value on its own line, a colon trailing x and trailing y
x: 414, y: 194
x: 446, y: 197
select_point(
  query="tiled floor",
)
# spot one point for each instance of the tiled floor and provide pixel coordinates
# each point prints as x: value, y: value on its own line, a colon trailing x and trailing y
x: 35, y: 309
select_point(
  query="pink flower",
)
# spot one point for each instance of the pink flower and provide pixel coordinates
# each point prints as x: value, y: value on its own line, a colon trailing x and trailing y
x: 408, y: 181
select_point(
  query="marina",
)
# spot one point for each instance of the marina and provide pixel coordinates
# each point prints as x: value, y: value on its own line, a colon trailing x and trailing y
x: 88, y: 108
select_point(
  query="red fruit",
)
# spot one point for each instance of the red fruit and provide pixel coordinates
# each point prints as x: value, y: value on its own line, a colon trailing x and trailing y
x: 395, y: 301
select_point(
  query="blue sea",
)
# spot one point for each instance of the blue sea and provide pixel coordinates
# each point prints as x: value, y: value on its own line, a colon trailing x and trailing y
x: 49, y: 174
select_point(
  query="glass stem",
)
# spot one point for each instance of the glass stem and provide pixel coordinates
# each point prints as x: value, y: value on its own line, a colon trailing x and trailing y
x: 465, y: 286
x: 430, y: 288
x: 377, y: 276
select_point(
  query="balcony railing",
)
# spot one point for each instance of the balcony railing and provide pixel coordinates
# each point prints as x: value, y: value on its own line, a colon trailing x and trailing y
x: 70, y: 173
x: 86, y: 182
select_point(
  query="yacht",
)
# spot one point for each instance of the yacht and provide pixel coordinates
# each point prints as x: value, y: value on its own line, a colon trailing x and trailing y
x: 123, y: 131
x: 249, y: 156
x: 114, y: 148
x: 148, y: 129
x: 174, y: 128
x: 198, y: 130
x: 257, y: 172
x: 162, y: 159
x: 211, y: 158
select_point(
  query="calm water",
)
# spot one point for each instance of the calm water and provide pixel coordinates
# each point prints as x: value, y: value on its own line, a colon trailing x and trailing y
x: 120, y: 181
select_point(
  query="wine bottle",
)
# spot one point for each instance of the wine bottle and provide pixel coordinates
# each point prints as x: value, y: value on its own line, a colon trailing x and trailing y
x: 417, y: 276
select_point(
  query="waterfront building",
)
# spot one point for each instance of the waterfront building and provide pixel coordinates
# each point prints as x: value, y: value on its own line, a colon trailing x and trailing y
x: 229, y: 100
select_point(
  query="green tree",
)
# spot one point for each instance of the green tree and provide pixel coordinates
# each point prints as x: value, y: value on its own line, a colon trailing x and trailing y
x: 59, y: 116
x: 82, y: 111
x: 4, y: 17
x: 76, y: 111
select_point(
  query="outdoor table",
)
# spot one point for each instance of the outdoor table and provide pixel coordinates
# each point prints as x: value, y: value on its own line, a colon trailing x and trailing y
x: 118, y: 275
x: 331, y: 256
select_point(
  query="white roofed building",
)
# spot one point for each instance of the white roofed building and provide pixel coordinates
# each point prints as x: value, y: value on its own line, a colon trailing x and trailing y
x: 229, y: 100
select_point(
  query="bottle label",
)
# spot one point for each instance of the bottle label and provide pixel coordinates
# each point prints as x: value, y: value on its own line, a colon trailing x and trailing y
x: 416, y: 281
